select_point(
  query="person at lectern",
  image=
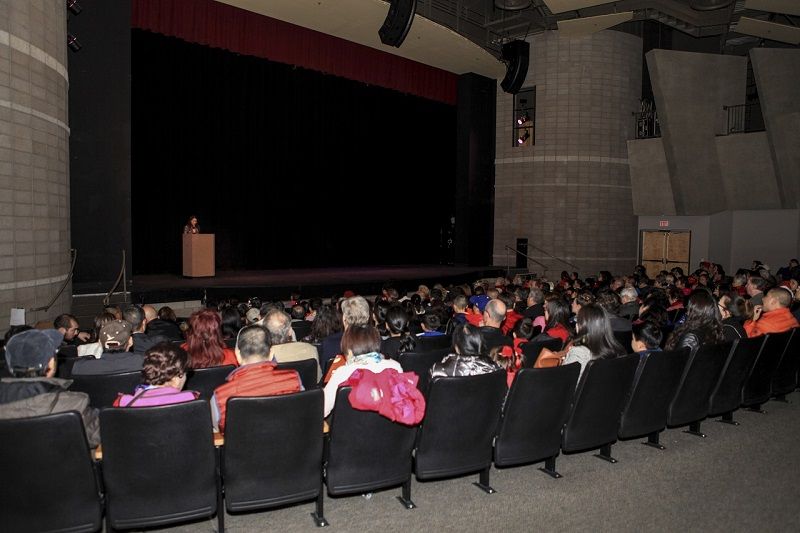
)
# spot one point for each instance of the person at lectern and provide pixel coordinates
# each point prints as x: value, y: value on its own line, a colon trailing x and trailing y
x: 191, y: 226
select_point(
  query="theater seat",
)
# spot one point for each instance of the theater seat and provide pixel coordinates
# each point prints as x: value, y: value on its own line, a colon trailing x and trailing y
x: 205, y: 380
x: 758, y: 387
x: 727, y: 396
x: 785, y: 380
x: 103, y: 389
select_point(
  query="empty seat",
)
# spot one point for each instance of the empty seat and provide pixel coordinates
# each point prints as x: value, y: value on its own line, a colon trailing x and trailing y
x: 367, y: 452
x: 599, y: 399
x: 531, y: 349
x: 654, y: 386
x: 307, y: 368
x: 534, y: 414
x: 785, y: 380
x: 461, y: 420
x: 103, y: 389
x: 758, y: 387
x: 420, y: 363
x: 159, y: 465
x: 727, y: 396
x: 701, y: 375
x: 205, y: 380
x: 48, y: 478
x: 290, y: 471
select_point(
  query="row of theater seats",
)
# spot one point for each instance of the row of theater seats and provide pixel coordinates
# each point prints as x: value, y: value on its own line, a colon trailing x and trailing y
x: 160, y: 466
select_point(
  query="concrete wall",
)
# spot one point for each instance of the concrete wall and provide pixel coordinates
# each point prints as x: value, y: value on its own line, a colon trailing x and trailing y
x: 690, y: 91
x: 570, y: 193
x: 748, y: 176
x: 34, y: 158
x: 736, y: 238
x: 777, y: 73
x: 652, y: 188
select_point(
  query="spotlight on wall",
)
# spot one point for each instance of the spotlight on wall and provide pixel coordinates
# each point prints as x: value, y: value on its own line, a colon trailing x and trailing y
x: 73, y: 43
x: 522, y: 119
x: 524, y: 137
x: 74, y: 7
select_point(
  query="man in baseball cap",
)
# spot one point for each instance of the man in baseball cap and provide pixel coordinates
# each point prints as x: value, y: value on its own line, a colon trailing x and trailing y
x: 34, y: 390
x: 115, y: 338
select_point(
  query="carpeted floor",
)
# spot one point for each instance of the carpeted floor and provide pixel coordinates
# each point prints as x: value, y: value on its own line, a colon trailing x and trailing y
x: 741, y: 478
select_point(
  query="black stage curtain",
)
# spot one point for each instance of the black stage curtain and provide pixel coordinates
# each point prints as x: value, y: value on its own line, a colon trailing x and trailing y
x: 289, y: 167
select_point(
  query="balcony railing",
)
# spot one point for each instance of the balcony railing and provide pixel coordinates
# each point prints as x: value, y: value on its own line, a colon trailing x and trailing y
x: 744, y: 118
x: 647, y: 124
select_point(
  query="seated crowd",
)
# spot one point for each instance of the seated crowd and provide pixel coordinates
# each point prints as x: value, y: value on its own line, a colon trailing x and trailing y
x: 490, y: 324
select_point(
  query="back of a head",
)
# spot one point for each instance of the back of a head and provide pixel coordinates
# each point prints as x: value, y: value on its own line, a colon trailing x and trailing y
x: 507, y: 299
x: 397, y: 319
x: 536, y: 295
x: 431, y: 321
x: 467, y: 341
x: 63, y: 321
x: 163, y: 362
x: 609, y: 301
x: 29, y: 352
x: 496, y: 311
x: 594, y: 331
x: 460, y: 302
x: 355, y: 311
x: 649, y: 333
x: 557, y: 309
x: 279, y: 326
x: 782, y: 295
x: 253, y: 344
x: 150, y: 312
x: 133, y: 315
x: 231, y: 322
x: 629, y: 294
x: 361, y: 339
x: 298, y: 312
x: 166, y: 313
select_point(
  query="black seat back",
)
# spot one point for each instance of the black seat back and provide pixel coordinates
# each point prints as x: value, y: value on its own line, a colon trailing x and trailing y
x: 534, y: 414
x: 727, y: 396
x: 785, y: 380
x: 701, y: 375
x: 366, y: 451
x: 103, y: 389
x: 531, y: 349
x: 159, y: 464
x: 460, y: 423
x: 758, y: 387
x: 420, y: 363
x: 654, y: 387
x: 65, y: 358
x: 624, y: 338
x: 307, y: 368
x: 437, y: 342
x: 594, y: 419
x: 205, y: 380
x: 48, y: 480
x: 273, y: 450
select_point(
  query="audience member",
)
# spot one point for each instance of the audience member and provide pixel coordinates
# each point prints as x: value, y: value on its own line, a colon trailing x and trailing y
x: 95, y: 348
x: 34, y: 390
x: 400, y: 339
x: 115, y: 337
x: 773, y: 316
x: 556, y: 315
x: 355, y: 311
x: 162, y: 323
x: 204, y: 341
x: 135, y: 316
x: 493, y: 315
x: 646, y: 338
x: 470, y: 357
x: 163, y: 377
x: 756, y: 285
x: 703, y: 324
x: 283, y: 348
x: 732, y: 311
x: 257, y: 375
x: 68, y: 326
x: 594, y: 338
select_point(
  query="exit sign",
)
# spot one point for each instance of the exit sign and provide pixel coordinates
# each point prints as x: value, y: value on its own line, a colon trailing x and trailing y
x: 663, y: 223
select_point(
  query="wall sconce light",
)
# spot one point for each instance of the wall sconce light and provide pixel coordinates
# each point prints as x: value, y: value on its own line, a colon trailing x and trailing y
x: 524, y: 137
x: 73, y: 43
x: 74, y: 7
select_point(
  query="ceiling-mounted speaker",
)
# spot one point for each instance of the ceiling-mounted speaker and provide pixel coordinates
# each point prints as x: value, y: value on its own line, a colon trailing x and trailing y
x: 709, y: 5
x: 516, y: 55
x: 398, y: 22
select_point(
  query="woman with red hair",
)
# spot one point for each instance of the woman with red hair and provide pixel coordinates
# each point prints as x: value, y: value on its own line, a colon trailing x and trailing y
x: 204, y: 341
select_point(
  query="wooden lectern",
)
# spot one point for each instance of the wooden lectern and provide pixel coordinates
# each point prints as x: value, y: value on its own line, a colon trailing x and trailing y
x: 198, y: 255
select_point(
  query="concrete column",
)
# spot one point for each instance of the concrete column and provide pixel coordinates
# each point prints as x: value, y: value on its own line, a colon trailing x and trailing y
x: 34, y: 159
x: 570, y: 193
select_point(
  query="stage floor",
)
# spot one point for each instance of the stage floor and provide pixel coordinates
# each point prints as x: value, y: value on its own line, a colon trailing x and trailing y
x: 309, y: 283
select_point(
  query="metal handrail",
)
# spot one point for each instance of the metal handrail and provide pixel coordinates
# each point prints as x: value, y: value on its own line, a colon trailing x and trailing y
x: 74, y: 253
x: 508, y: 263
x: 553, y: 256
x: 122, y: 276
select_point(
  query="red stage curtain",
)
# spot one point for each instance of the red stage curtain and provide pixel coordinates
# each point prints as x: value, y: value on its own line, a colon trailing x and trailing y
x: 222, y: 26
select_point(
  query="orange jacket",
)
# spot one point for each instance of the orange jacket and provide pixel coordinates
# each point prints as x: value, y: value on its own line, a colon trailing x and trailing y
x: 776, y: 321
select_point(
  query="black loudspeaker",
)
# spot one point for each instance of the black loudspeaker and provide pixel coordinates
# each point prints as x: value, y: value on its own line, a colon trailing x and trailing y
x: 398, y: 22
x: 515, y: 54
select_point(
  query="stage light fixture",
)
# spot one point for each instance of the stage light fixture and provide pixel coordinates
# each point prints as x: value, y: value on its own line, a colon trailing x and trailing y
x: 74, y: 7
x: 73, y: 43
x: 522, y: 119
x: 524, y: 137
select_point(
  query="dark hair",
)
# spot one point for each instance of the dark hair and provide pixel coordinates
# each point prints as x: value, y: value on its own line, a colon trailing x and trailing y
x: 397, y: 320
x: 253, y: 341
x: 608, y: 300
x: 594, y: 331
x: 13, y: 330
x: 133, y: 315
x: 649, y: 333
x: 163, y: 362
x: 758, y: 282
x: 702, y: 318
x: 64, y: 321
x: 558, y: 310
x: 327, y: 322
x: 298, y: 312
x: 166, y: 313
x: 432, y: 321
x: 524, y: 329
x: 468, y: 340
x: 736, y: 304
x: 231, y: 322
x: 361, y: 339
x: 101, y: 320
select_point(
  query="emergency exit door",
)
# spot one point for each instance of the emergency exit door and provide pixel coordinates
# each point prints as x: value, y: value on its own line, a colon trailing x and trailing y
x: 664, y: 250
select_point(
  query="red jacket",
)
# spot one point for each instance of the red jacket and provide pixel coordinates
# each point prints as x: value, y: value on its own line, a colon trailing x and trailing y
x: 256, y: 379
x: 775, y: 321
